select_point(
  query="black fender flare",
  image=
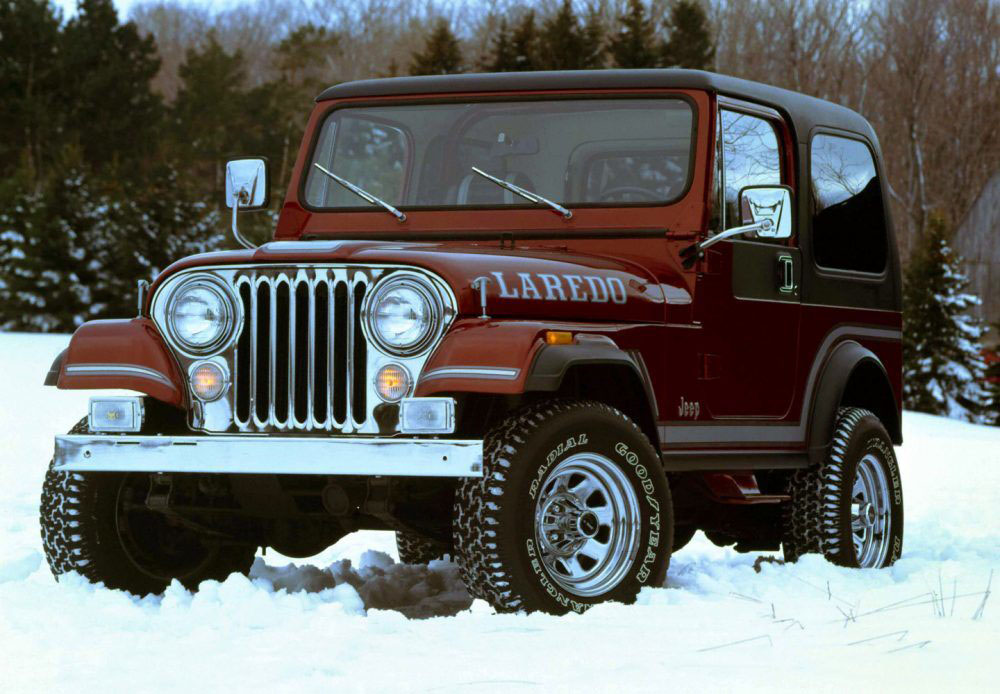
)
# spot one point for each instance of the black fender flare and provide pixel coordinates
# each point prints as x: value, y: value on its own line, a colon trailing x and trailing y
x: 52, y: 377
x: 553, y: 362
x: 843, y: 361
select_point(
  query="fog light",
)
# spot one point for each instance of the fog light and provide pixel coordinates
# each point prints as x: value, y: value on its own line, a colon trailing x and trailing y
x: 427, y: 416
x: 392, y: 382
x: 208, y: 381
x: 119, y: 413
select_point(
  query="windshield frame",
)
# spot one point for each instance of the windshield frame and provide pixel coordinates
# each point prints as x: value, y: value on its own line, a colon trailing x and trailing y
x: 383, y: 102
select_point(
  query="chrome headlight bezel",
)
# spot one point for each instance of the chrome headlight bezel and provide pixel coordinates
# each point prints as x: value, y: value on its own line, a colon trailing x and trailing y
x: 438, y: 305
x: 232, y: 317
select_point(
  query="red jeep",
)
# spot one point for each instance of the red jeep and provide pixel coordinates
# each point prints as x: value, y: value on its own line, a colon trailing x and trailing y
x: 550, y: 324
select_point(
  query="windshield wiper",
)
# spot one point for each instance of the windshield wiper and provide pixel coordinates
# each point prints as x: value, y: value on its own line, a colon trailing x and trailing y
x: 363, y: 194
x: 526, y: 194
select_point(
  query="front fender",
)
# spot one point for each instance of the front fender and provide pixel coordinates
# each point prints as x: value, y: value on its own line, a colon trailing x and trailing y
x: 482, y: 356
x: 127, y: 354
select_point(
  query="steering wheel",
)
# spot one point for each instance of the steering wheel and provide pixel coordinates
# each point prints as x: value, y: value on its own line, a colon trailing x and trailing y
x: 644, y: 193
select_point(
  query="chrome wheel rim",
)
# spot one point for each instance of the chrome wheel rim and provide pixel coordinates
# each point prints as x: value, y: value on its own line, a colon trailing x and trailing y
x: 870, y: 513
x: 587, y: 524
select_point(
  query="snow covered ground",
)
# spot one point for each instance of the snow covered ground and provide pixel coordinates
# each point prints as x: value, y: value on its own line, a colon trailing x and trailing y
x: 347, y: 619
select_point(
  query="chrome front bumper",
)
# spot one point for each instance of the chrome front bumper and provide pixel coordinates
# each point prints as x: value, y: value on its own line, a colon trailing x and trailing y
x: 270, y: 455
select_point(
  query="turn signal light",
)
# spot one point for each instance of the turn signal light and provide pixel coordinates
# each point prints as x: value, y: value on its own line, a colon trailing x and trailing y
x: 558, y: 337
x: 208, y: 381
x: 392, y: 382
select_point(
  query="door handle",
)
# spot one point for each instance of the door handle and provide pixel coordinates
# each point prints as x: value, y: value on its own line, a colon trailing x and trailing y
x: 786, y: 274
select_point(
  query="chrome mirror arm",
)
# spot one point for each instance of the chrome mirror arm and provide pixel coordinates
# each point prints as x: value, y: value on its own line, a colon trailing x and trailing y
x: 241, y: 196
x: 696, y: 251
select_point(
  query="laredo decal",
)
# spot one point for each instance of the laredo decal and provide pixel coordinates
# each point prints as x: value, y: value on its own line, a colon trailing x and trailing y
x: 543, y: 285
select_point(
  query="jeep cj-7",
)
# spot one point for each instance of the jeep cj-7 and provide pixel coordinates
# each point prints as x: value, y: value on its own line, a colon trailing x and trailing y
x: 549, y: 324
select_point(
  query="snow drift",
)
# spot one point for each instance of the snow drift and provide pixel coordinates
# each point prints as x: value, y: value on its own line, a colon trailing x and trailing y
x: 355, y: 618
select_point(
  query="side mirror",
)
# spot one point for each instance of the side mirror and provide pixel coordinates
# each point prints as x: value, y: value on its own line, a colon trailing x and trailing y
x: 766, y: 213
x: 773, y: 203
x: 246, y: 184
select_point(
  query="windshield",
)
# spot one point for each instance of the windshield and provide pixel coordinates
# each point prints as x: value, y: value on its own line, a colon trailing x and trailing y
x: 597, y: 152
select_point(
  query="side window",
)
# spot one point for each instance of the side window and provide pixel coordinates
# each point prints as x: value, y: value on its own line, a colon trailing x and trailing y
x: 848, y: 217
x: 751, y: 156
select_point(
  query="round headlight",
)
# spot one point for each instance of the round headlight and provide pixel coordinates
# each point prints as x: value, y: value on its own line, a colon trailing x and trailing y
x: 199, y: 316
x: 403, y: 315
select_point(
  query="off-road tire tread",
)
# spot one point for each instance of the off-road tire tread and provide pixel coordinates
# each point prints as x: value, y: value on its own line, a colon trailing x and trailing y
x: 832, y: 484
x: 812, y: 519
x: 70, y: 542
x: 478, y: 500
x: 414, y: 549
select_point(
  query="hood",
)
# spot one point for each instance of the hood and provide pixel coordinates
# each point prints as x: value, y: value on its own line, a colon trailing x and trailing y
x: 526, y: 282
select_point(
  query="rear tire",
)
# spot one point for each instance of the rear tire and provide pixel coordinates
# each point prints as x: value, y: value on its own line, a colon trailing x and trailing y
x: 414, y: 549
x: 573, y: 509
x: 850, y: 508
x: 96, y: 524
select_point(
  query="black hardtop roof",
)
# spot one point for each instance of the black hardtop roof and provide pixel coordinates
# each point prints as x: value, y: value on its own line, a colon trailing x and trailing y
x: 805, y: 112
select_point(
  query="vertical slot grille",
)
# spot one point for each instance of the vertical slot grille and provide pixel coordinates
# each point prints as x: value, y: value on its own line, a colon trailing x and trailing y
x: 301, y: 359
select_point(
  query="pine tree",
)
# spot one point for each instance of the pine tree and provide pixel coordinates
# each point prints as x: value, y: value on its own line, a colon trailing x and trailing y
x: 30, y: 118
x: 107, y: 67
x: 690, y: 38
x: 566, y: 45
x: 634, y: 46
x: 73, y: 252
x: 525, y: 43
x: 210, y: 115
x: 502, y: 57
x: 993, y: 381
x: 441, y: 55
x: 943, y: 370
x: 593, y: 49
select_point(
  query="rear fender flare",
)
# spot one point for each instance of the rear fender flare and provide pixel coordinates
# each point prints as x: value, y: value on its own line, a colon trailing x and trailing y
x: 847, y: 364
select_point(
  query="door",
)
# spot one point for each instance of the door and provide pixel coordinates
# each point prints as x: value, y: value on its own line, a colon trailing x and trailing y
x: 747, y: 296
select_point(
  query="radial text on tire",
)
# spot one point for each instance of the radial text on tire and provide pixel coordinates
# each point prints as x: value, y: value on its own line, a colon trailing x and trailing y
x: 573, y: 509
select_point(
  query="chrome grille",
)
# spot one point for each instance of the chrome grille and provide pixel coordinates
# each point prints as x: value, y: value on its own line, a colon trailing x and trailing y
x: 294, y: 362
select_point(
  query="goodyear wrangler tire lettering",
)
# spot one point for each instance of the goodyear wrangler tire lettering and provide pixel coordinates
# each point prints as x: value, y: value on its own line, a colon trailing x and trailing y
x: 573, y: 509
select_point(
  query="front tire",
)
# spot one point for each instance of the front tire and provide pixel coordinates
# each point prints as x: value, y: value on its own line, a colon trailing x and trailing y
x: 850, y: 508
x: 573, y: 509
x: 97, y: 525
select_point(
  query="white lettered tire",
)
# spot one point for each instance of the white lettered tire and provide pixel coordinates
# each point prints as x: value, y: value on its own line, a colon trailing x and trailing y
x: 573, y: 509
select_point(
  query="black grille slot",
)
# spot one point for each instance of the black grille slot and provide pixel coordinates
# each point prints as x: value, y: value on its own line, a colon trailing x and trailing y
x: 301, y: 358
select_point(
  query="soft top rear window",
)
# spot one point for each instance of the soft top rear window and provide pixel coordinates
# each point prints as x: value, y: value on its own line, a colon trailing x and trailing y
x: 577, y: 152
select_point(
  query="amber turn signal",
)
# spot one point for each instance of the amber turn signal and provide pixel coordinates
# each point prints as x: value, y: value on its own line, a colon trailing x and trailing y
x: 392, y: 382
x: 208, y: 381
x: 558, y: 337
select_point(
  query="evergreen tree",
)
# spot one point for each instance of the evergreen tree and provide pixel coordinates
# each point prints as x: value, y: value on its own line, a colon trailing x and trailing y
x: 634, y: 46
x: 30, y: 118
x: 689, y: 43
x: 943, y: 370
x: 107, y: 67
x: 70, y: 254
x: 502, y: 57
x: 525, y: 43
x: 441, y: 54
x: 566, y: 45
x: 593, y: 54
x: 993, y: 381
x: 210, y: 114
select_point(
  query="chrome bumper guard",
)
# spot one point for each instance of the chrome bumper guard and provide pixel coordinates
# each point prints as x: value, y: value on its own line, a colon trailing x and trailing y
x: 270, y: 455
